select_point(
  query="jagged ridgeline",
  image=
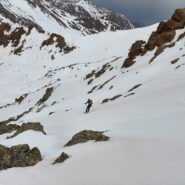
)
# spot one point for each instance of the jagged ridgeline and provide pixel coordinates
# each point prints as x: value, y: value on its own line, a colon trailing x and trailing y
x: 80, y: 15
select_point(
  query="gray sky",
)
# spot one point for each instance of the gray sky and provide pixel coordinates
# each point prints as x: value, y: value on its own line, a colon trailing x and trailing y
x: 145, y: 12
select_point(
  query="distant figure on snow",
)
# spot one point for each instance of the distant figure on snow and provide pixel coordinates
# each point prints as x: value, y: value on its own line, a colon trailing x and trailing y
x: 89, y: 105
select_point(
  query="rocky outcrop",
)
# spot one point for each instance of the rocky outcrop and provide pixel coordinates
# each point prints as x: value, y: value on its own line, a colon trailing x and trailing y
x: 159, y: 39
x: 7, y: 37
x: 179, y: 17
x: 4, y: 129
x: 166, y: 30
x: 46, y: 96
x: 59, y: 42
x: 15, y: 36
x: 20, y: 99
x: 87, y: 135
x: 111, y: 99
x: 18, y: 156
x: 28, y: 126
x: 135, y: 87
x: 135, y: 50
x: 63, y: 157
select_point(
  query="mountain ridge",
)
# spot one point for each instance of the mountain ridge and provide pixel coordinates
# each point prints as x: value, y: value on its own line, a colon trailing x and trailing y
x: 82, y: 16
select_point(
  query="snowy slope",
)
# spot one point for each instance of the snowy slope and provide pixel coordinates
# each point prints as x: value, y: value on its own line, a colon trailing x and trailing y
x: 146, y: 128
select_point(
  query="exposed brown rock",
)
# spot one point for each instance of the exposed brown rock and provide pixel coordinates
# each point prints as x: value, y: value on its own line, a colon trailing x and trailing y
x: 4, y: 129
x: 179, y: 16
x: 90, y: 75
x: 102, y: 70
x: 166, y: 30
x: 181, y: 36
x: 63, y: 157
x: 101, y: 86
x: 135, y: 87
x: 3, y: 38
x: 87, y: 135
x: 18, y: 156
x: 59, y: 41
x: 128, y: 63
x: 91, y: 91
x: 175, y: 61
x: 131, y: 94
x: 46, y: 96
x: 160, y: 38
x: 28, y: 126
x: 111, y: 99
x: 20, y: 99
x: 135, y: 50
x: 16, y: 35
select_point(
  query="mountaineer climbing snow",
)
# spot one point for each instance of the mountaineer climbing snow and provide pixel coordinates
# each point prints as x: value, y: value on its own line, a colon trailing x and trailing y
x: 89, y: 105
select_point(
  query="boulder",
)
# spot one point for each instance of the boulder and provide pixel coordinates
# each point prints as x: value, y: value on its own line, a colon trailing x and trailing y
x: 61, y: 158
x: 85, y: 136
x: 18, y: 156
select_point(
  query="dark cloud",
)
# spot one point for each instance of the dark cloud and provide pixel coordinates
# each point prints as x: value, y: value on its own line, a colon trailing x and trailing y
x: 145, y: 12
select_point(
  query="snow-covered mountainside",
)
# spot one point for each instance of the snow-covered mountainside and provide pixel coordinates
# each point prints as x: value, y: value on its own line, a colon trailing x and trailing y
x: 136, y: 81
x: 58, y: 15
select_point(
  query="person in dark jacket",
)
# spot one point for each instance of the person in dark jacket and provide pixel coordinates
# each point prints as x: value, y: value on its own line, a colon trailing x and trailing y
x: 89, y: 105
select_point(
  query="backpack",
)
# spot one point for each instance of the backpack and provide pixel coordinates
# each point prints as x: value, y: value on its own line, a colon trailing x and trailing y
x: 90, y: 102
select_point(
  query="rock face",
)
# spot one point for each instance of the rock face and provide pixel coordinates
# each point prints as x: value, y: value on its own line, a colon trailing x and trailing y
x: 87, y: 135
x: 164, y: 34
x: 166, y: 30
x: 61, y: 158
x: 18, y: 156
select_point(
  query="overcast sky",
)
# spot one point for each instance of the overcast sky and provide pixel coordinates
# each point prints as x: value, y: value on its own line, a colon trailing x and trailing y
x: 145, y: 12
